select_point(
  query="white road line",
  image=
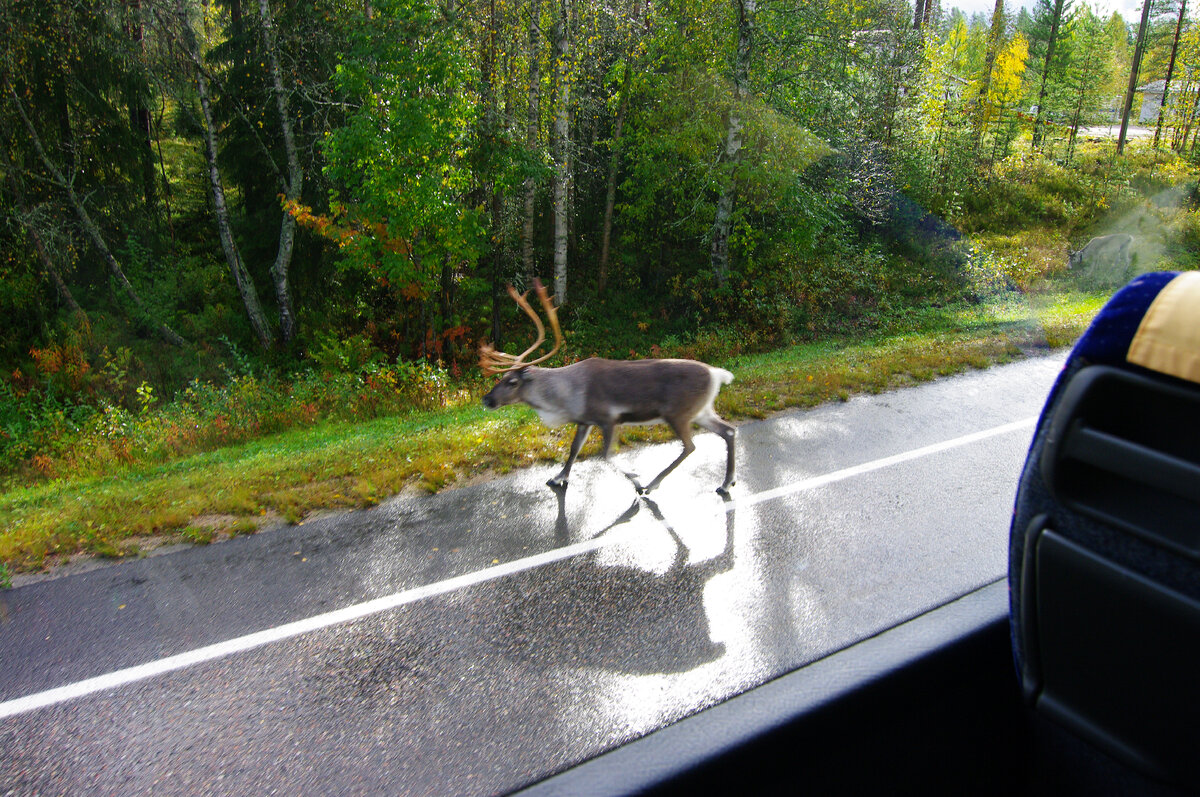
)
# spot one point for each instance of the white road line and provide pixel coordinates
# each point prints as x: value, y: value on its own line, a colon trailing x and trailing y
x: 877, y: 464
x: 358, y: 611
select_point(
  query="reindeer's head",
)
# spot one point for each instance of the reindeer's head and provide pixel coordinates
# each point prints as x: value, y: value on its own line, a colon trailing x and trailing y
x: 507, y: 390
x: 515, y: 367
x: 1074, y: 257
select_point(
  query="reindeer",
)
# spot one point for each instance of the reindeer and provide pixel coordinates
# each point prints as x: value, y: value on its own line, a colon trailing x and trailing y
x: 606, y: 393
x: 1105, y: 250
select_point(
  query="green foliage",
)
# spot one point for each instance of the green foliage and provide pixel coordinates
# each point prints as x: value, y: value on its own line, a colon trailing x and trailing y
x: 398, y: 163
x: 44, y: 437
x: 1047, y: 83
x: 868, y: 151
x: 198, y: 536
x: 332, y: 354
x: 1034, y: 191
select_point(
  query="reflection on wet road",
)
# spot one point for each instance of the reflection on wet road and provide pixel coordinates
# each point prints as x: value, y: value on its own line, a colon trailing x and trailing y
x: 504, y: 631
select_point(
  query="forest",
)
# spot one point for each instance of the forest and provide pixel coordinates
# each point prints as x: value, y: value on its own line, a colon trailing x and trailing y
x: 241, y: 217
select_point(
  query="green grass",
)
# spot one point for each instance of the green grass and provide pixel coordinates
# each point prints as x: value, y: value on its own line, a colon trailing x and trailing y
x: 286, y: 476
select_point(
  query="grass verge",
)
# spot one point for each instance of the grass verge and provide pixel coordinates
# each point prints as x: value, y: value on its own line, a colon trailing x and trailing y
x: 286, y: 476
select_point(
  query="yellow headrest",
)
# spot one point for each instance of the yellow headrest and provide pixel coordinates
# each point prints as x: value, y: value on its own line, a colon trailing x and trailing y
x: 1168, y: 339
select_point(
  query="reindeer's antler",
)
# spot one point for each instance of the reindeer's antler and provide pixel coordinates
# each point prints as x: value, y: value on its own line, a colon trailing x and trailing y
x: 496, y: 362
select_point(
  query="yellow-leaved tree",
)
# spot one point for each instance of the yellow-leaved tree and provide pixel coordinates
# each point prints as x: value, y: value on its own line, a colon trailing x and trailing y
x: 1001, y: 118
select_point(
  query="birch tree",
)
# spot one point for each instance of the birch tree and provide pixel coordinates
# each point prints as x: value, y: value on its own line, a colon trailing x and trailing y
x: 293, y: 182
x: 562, y: 148
x: 994, y: 43
x: 628, y: 66
x: 731, y: 152
x: 233, y: 257
x: 532, y: 124
x: 1088, y: 72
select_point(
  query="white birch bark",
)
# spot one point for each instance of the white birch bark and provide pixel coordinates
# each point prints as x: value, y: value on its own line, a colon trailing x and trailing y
x: 731, y: 154
x: 562, y: 154
x: 241, y: 277
x: 293, y: 184
x: 531, y: 134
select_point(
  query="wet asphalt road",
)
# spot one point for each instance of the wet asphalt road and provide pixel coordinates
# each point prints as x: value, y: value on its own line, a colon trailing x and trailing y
x: 526, y: 631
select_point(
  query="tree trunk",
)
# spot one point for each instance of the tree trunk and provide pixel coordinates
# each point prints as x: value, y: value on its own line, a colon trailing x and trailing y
x: 241, y: 277
x: 1180, y: 134
x: 1075, y: 126
x: 66, y: 132
x: 447, y: 307
x: 139, y: 114
x: 562, y: 152
x: 610, y: 196
x: 55, y: 277
x: 293, y: 186
x: 93, y: 231
x: 531, y: 134
x: 490, y: 101
x: 981, y: 103
x: 731, y: 155
x: 24, y: 217
x: 1170, y: 71
x: 1139, y: 47
x: 1037, y: 122
x: 1193, y: 106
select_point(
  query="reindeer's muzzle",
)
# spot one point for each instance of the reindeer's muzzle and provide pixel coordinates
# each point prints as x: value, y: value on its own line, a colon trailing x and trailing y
x: 489, y: 402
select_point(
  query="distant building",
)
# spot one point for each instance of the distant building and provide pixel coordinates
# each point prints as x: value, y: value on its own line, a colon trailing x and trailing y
x: 1152, y: 97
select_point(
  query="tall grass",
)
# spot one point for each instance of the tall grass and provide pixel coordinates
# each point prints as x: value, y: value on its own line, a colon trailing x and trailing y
x: 80, y: 440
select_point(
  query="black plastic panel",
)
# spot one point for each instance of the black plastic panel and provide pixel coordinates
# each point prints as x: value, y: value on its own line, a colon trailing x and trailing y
x: 1118, y: 659
x: 1124, y: 449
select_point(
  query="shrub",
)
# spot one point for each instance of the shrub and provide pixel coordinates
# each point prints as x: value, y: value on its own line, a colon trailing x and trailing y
x: 42, y: 438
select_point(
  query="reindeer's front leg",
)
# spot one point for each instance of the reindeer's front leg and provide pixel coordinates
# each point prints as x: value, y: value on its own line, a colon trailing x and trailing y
x: 684, y: 432
x: 609, y: 430
x: 581, y: 432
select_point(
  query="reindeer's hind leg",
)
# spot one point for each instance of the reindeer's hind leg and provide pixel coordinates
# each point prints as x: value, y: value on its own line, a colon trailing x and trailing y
x: 581, y: 432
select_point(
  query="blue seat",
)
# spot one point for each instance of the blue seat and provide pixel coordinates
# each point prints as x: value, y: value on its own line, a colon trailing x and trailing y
x: 1104, y: 567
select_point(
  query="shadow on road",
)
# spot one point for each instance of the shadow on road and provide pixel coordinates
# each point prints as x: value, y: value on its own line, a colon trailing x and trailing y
x: 624, y: 618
